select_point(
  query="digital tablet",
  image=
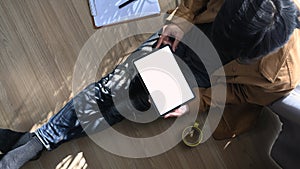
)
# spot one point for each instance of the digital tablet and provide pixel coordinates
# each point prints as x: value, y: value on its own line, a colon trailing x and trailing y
x: 164, y: 80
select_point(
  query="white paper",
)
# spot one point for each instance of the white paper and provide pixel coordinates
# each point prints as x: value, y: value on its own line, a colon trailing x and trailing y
x: 106, y: 12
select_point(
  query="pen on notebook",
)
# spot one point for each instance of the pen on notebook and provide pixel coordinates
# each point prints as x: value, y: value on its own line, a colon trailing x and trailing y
x: 125, y: 3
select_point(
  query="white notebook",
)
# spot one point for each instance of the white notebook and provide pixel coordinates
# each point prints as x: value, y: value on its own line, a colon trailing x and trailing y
x: 107, y: 12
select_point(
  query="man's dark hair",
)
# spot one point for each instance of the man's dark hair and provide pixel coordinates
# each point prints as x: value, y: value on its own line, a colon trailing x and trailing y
x: 250, y: 29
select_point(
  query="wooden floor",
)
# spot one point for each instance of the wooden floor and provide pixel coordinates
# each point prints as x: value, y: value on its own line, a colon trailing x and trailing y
x: 40, y: 42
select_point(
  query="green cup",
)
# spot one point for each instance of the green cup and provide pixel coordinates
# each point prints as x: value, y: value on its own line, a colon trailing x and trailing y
x: 192, y: 135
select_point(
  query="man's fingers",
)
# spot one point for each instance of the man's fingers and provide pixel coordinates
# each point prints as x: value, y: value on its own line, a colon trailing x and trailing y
x: 178, y: 112
x: 172, y: 114
x: 175, y: 44
x: 168, y: 115
x: 160, y: 40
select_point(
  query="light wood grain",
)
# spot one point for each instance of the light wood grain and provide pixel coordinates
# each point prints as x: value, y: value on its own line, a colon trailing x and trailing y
x: 40, y: 41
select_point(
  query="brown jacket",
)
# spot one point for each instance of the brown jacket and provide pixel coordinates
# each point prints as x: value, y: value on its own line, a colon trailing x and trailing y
x: 249, y: 86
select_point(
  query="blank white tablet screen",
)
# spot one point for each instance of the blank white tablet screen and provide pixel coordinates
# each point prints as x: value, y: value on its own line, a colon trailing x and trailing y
x: 164, y: 80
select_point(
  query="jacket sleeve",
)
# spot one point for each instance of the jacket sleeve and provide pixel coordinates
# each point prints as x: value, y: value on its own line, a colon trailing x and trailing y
x: 237, y: 94
x: 186, y: 12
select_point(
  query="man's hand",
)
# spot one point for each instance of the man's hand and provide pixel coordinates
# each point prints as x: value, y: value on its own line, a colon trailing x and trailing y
x: 178, y: 112
x: 171, y: 35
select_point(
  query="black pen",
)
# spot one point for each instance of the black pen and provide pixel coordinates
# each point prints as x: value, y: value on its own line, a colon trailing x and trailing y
x: 125, y: 3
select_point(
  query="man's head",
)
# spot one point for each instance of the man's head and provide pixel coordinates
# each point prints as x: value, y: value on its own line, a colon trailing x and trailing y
x: 250, y: 29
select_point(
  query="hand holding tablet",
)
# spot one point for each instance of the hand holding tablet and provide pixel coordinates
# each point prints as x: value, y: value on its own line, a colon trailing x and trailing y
x: 178, y: 111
